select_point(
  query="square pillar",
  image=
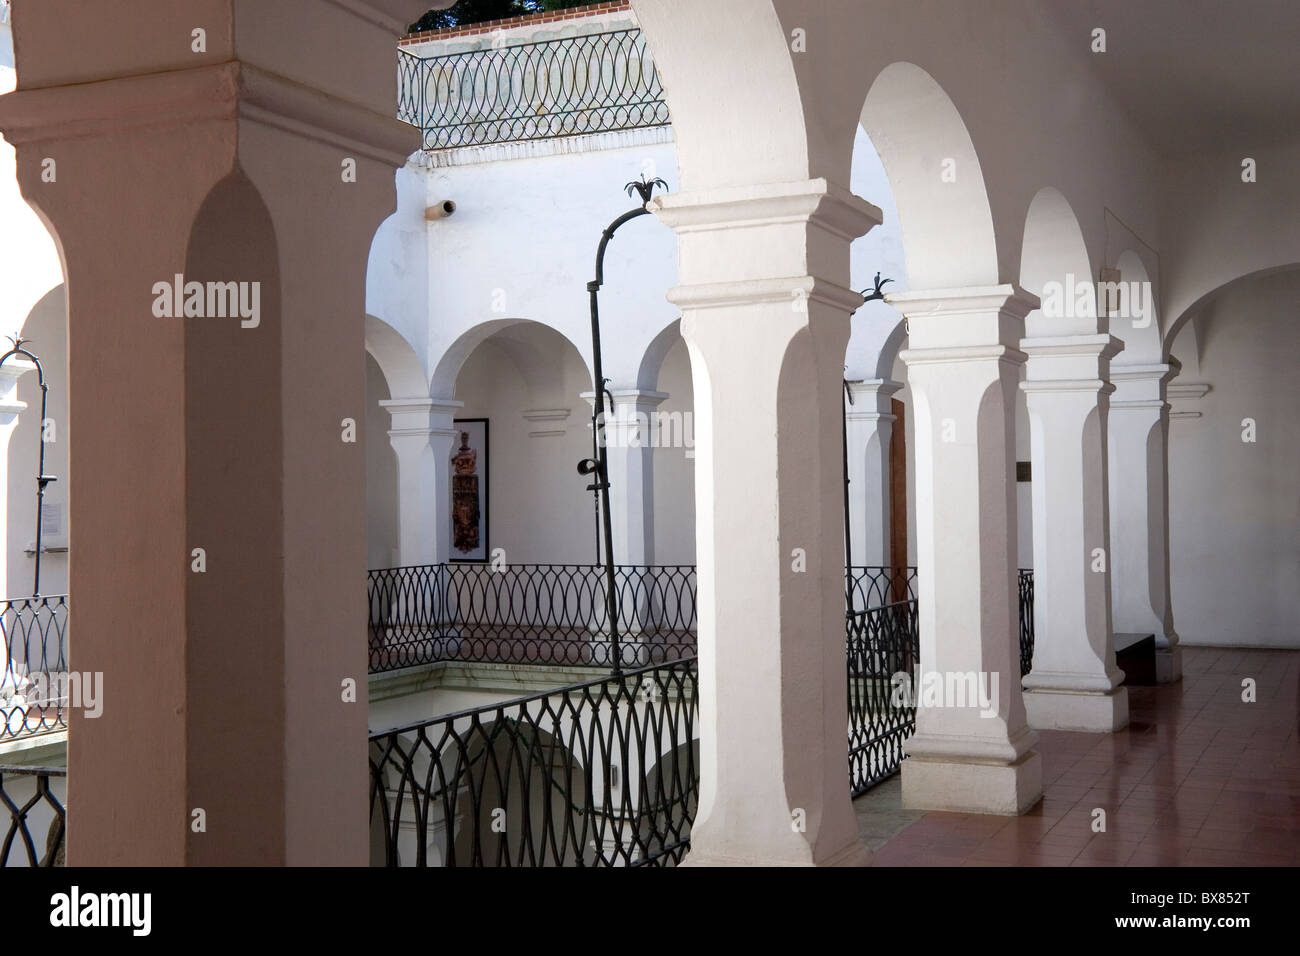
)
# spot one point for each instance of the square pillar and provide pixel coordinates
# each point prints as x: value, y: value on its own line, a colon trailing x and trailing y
x: 10, y: 409
x: 765, y: 314
x: 870, y: 425
x: 968, y: 754
x: 1139, y: 509
x: 424, y: 438
x: 629, y: 448
x: 219, y: 571
x: 1074, y: 684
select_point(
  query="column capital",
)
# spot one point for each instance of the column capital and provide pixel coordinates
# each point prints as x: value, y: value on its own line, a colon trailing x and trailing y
x: 871, y: 399
x: 1069, y: 363
x: 10, y: 372
x: 972, y: 323
x: 1142, y: 386
x: 428, y: 416
x: 629, y: 399
x: 1160, y: 372
x: 1007, y: 298
x: 819, y: 202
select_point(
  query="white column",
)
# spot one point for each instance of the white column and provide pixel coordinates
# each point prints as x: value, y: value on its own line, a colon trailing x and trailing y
x: 870, y: 427
x: 1139, y: 510
x: 963, y: 367
x: 424, y: 437
x: 10, y: 409
x: 767, y: 330
x: 1074, y: 684
x: 630, y: 455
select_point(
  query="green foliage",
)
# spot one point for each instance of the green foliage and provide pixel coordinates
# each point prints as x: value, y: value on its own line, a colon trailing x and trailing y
x: 477, y: 11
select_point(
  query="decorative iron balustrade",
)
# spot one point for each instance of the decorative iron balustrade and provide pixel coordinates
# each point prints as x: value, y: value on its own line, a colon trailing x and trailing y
x: 604, y: 773
x: 35, y: 633
x: 872, y: 585
x: 33, y: 807
x: 529, y: 614
x: 595, y: 83
x: 882, y: 642
x: 1025, y: 579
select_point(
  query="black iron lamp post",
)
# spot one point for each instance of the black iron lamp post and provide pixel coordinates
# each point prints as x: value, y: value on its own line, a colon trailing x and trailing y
x: 42, y: 479
x: 598, y: 466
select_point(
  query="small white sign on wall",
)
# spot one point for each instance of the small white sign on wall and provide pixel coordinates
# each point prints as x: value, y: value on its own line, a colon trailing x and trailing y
x: 51, y: 520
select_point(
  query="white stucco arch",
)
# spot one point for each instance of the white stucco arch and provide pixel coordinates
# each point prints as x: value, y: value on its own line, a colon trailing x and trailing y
x: 716, y: 147
x: 652, y: 359
x: 1176, y: 324
x: 397, y: 360
x: 938, y: 186
x: 1054, y: 251
x: 447, y: 369
x: 1142, y: 340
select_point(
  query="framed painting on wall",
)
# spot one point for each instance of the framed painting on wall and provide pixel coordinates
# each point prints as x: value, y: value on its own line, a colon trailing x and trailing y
x: 469, y: 491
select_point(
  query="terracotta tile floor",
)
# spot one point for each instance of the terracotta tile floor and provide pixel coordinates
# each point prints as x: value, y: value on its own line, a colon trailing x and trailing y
x: 1199, y: 778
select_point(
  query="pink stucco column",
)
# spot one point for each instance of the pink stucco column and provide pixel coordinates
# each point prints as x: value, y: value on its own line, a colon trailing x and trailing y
x: 218, y: 580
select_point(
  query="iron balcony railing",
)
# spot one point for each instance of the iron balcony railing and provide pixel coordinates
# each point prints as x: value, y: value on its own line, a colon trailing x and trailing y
x: 1025, y: 580
x: 882, y: 644
x: 563, y: 87
x: 35, y: 636
x: 604, y: 773
x: 34, y: 809
x: 872, y: 585
x: 557, y: 613
x: 529, y: 613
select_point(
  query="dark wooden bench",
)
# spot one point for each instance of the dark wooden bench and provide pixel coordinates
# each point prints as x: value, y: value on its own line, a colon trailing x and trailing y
x: 1135, y: 655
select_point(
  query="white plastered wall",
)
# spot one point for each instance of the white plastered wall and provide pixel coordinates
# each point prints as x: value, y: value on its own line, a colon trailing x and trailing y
x: 1234, y: 513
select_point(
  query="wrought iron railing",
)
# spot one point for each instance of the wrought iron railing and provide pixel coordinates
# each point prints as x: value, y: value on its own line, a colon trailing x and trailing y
x: 872, y: 585
x: 34, y: 809
x: 529, y: 613
x: 1025, y: 579
x: 882, y: 645
x: 563, y: 87
x: 604, y: 773
x: 34, y: 632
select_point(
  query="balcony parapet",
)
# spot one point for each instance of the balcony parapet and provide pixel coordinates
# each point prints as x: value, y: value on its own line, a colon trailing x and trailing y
x: 538, y: 80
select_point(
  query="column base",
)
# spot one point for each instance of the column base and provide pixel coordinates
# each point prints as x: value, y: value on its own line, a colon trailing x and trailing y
x: 1077, y: 710
x: 855, y: 854
x: 962, y: 787
x: 1169, y: 664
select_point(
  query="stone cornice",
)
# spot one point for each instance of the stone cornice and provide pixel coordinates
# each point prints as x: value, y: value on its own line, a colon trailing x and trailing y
x: 530, y: 149
x: 391, y: 15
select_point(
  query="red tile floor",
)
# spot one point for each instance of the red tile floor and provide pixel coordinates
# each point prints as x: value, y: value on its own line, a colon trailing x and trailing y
x: 1199, y: 778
